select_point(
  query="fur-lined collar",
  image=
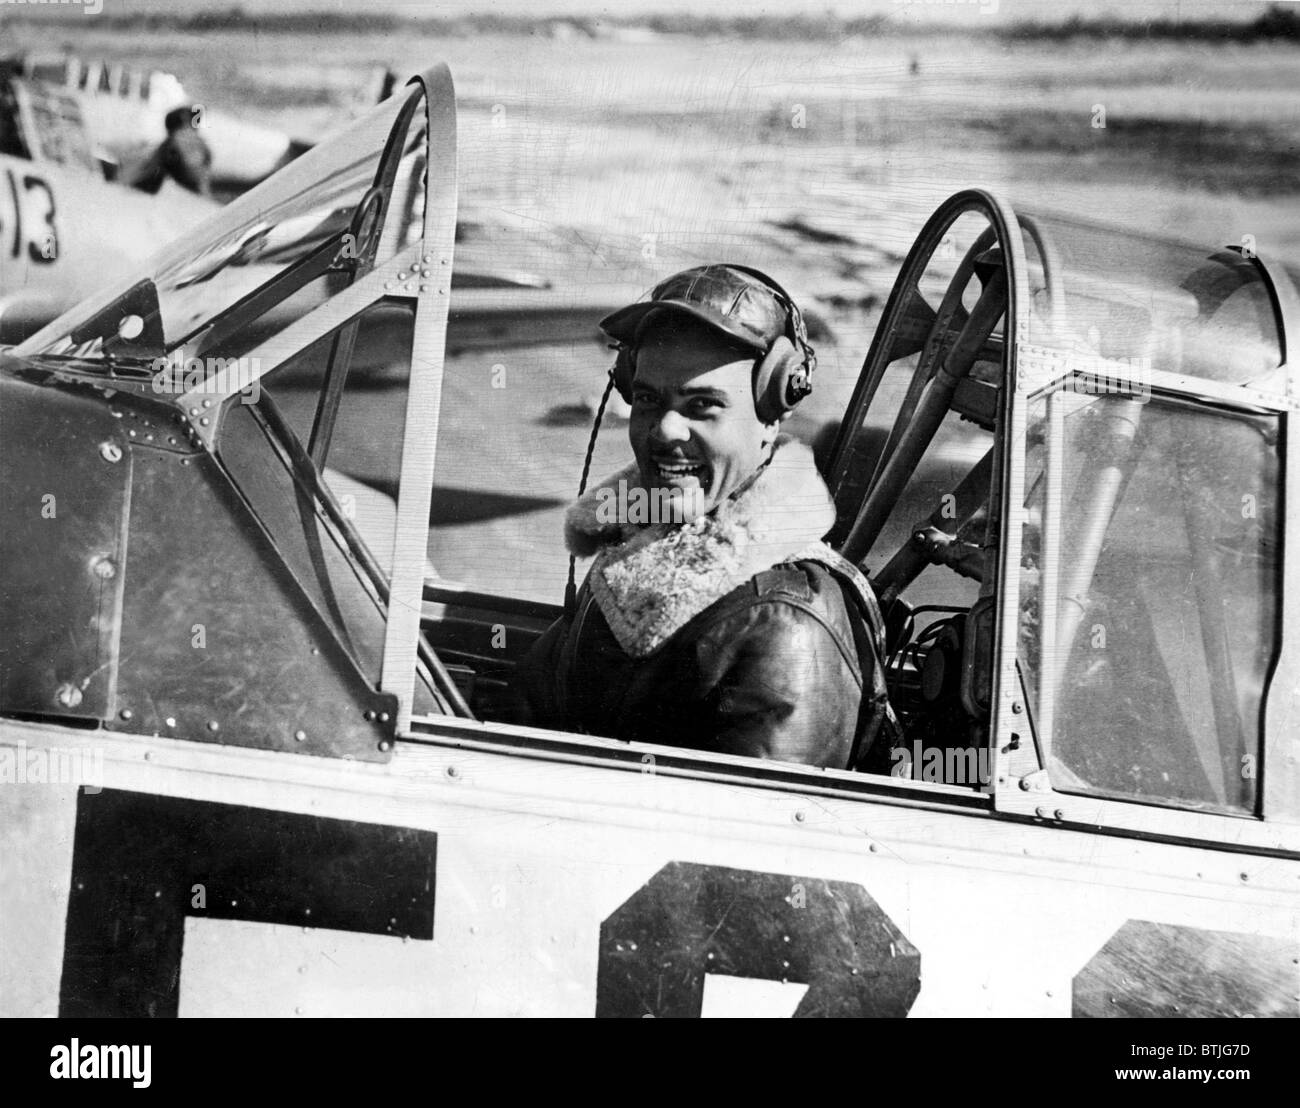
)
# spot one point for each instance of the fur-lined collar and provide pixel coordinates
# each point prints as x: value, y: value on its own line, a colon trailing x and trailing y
x: 651, y: 580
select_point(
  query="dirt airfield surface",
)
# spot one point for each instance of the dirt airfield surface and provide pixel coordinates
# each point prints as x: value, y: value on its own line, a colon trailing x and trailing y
x: 599, y: 164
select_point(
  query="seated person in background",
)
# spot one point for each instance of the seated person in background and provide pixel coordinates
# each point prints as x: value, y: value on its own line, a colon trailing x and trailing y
x: 182, y: 155
x: 712, y: 616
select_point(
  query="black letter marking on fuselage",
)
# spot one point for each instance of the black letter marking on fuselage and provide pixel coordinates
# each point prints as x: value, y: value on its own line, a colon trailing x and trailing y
x: 41, y: 239
x: 690, y: 920
x: 1158, y: 969
x: 137, y: 857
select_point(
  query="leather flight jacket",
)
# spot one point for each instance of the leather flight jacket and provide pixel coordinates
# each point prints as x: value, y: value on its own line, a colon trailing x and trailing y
x: 785, y: 667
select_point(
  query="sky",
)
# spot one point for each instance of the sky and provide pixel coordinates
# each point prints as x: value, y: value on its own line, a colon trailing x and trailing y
x: 903, y: 11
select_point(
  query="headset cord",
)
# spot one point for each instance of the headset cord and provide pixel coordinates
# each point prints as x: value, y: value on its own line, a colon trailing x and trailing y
x: 571, y: 589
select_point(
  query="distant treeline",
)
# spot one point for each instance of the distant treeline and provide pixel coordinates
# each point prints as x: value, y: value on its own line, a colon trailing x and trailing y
x: 1276, y: 23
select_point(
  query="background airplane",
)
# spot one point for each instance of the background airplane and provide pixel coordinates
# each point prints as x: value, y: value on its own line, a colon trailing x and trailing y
x: 124, y: 108
x: 65, y: 227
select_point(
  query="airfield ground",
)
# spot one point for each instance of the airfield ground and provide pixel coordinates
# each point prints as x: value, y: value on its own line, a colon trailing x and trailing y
x: 597, y: 162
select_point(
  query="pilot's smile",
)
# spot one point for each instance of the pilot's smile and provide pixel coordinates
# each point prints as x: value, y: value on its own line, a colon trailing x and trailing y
x: 679, y: 472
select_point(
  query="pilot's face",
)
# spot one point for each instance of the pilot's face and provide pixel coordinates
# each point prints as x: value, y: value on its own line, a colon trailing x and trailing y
x: 693, y: 425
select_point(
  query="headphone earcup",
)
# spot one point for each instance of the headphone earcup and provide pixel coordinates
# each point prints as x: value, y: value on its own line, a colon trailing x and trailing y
x: 624, y: 372
x: 781, y: 381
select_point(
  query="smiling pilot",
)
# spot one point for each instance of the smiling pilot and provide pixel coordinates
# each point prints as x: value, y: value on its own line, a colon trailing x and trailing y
x: 713, y: 617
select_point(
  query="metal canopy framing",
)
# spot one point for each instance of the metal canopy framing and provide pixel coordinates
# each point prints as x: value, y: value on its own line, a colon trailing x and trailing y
x: 420, y: 273
x: 424, y: 398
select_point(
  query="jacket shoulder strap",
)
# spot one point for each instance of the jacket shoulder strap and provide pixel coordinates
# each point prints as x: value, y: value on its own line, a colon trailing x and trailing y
x: 858, y: 586
x: 878, y: 727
